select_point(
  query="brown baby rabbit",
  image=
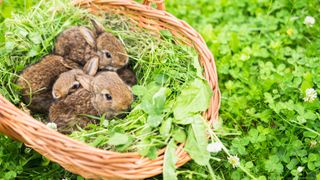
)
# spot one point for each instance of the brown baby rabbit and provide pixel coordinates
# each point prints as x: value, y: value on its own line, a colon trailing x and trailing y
x: 80, y: 44
x: 36, y: 81
x: 77, y: 44
x: 110, y: 50
x: 67, y: 82
x: 104, y: 94
x: 128, y: 76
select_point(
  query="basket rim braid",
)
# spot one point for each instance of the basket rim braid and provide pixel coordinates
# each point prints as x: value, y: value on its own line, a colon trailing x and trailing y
x: 91, y: 162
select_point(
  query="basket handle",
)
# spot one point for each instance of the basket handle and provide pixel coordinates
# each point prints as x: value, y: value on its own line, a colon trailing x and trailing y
x: 160, y: 4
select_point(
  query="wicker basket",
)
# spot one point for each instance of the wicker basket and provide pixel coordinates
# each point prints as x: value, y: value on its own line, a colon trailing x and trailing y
x: 91, y: 162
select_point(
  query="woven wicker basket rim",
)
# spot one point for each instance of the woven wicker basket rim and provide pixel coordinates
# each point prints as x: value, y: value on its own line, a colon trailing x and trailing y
x: 95, y: 163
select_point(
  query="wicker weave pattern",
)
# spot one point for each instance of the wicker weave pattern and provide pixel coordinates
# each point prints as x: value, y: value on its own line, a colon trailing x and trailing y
x: 91, y: 162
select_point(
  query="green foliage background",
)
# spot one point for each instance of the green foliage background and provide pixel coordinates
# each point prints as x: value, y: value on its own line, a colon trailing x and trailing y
x: 266, y: 57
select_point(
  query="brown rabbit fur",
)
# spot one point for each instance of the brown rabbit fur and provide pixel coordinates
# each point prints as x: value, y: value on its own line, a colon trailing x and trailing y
x: 110, y: 50
x: 105, y: 94
x: 81, y: 44
x: 67, y: 112
x: 37, y: 80
x: 128, y: 76
x: 77, y: 44
x: 67, y: 82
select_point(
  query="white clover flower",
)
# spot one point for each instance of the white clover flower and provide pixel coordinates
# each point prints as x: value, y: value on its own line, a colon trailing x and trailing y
x: 214, y: 147
x: 234, y: 161
x: 309, y: 21
x: 313, y: 143
x: 300, y: 169
x: 52, y: 125
x: 311, y: 95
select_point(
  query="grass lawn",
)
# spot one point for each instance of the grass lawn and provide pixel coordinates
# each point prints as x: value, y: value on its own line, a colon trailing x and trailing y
x: 268, y: 59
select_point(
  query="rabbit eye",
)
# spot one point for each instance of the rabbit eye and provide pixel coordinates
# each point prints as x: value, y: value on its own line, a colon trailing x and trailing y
x: 75, y: 86
x: 108, y: 55
x: 107, y: 97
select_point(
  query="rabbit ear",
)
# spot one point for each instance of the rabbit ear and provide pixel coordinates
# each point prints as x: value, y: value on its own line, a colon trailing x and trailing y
x: 98, y: 27
x: 88, y: 36
x: 91, y: 67
x: 85, y: 81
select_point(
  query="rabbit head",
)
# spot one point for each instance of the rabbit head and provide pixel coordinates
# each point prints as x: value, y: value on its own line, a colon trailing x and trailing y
x: 110, y: 50
x: 110, y: 95
x: 67, y: 82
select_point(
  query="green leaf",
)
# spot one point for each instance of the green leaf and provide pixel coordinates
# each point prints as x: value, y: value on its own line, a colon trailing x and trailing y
x: 138, y: 90
x: 261, y: 178
x: 98, y: 141
x: 198, y: 68
x: 253, y: 134
x: 292, y: 164
x: 185, y: 121
x: 118, y: 139
x: 307, y: 83
x: 144, y: 147
x: 193, y: 99
x: 179, y: 135
x: 10, y: 175
x: 309, y: 134
x: 166, y: 127
x: 126, y: 146
x: 45, y: 162
x: 311, y: 166
x: 80, y: 178
x: 310, y: 115
x: 273, y: 165
x: 152, y: 154
x: 249, y: 165
x: 6, y: 12
x: 160, y: 79
x: 197, y: 142
x: 234, y: 42
x: 313, y: 157
x: 159, y: 100
x: 238, y: 145
x: 154, y: 120
x: 170, y: 160
x: 153, y: 102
